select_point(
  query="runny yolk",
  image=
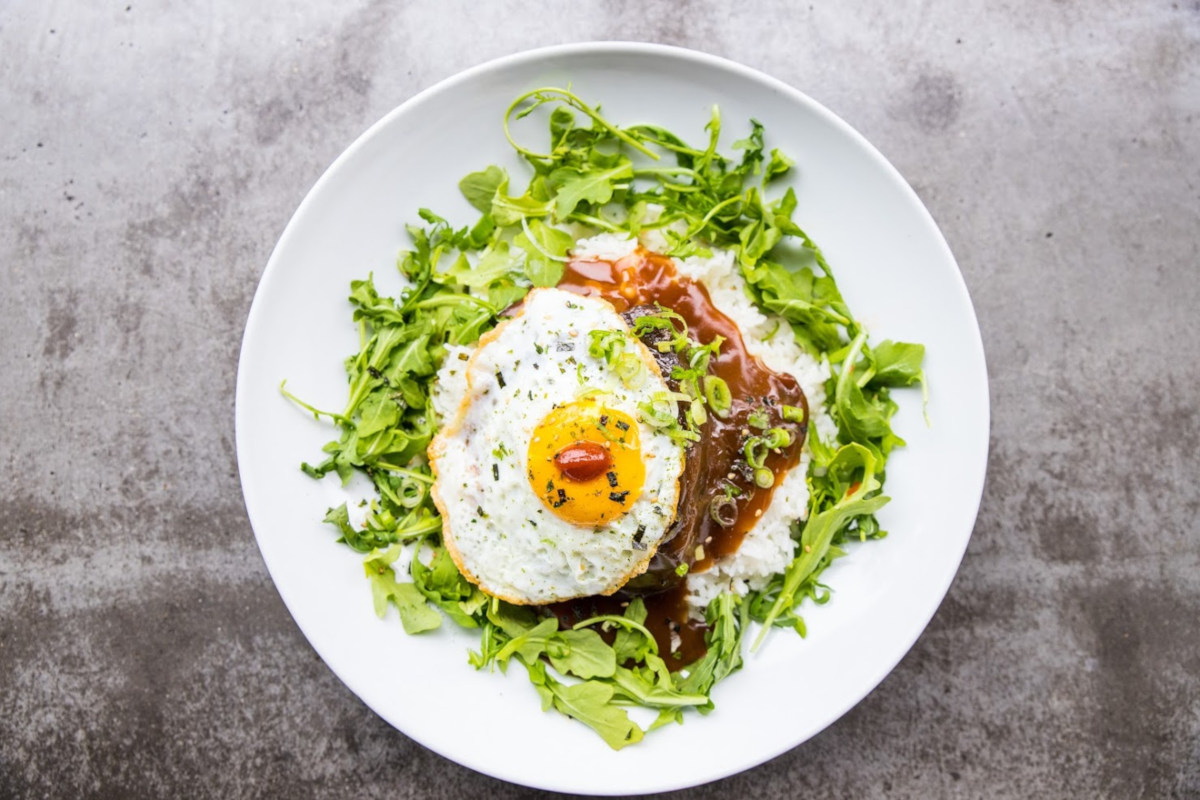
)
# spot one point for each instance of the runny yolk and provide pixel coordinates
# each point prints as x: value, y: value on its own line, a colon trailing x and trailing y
x: 585, y: 462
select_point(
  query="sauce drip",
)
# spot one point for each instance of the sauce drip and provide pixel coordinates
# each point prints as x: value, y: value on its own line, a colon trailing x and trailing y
x: 715, y: 464
x: 666, y: 616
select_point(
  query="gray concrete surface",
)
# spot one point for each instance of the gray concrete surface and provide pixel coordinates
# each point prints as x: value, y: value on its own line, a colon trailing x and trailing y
x: 150, y: 154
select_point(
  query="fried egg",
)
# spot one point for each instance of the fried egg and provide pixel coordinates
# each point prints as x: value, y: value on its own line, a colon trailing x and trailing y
x: 549, y: 485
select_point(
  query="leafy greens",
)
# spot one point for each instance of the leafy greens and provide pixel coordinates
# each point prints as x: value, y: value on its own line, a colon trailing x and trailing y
x: 596, y: 176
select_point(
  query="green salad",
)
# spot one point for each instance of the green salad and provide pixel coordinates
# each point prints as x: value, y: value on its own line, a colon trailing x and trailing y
x: 590, y: 176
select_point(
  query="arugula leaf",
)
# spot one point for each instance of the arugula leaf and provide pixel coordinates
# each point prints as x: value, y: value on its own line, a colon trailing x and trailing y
x: 777, y: 167
x: 546, y: 251
x: 480, y: 187
x: 862, y: 418
x: 531, y: 644
x: 581, y: 653
x: 590, y: 702
x: 898, y: 363
x: 494, y: 263
x: 860, y: 498
x: 651, y: 686
x: 442, y: 584
x: 378, y: 412
x: 727, y: 622
x: 415, y: 615
x: 594, y: 186
x: 513, y: 620
x: 340, y: 517
x: 508, y: 210
x: 503, y: 293
x: 578, y: 652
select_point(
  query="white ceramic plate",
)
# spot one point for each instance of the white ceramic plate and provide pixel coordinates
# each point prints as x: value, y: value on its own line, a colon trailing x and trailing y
x: 896, y: 272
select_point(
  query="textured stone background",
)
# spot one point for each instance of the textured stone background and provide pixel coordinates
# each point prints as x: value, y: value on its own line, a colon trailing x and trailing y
x: 150, y: 154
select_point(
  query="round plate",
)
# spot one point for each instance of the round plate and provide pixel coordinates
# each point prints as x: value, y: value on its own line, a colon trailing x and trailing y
x: 895, y: 271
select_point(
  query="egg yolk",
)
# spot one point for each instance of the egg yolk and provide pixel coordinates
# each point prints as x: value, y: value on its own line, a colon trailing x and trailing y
x: 585, y: 462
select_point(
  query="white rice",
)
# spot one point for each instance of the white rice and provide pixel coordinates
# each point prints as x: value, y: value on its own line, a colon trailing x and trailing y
x: 768, y: 548
x: 605, y: 247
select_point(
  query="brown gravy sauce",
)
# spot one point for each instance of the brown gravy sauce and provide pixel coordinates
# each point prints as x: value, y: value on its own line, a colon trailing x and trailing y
x: 695, y: 538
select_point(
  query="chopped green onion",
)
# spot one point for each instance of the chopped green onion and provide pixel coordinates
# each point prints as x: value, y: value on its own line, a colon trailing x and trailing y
x: 659, y: 411
x: 723, y: 511
x: 777, y: 437
x: 793, y: 414
x: 630, y: 370
x: 411, y: 494
x: 605, y: 345
x: 755, y: 451
x: 764, y: 478
x: 716, y: 391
